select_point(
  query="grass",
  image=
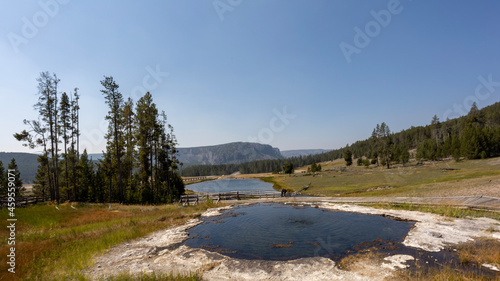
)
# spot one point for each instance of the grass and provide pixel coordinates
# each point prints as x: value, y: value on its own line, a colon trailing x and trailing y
x: 477, y: 252
x: 445, y: 210
x: 62, y: 243
x: 155, y: 277
x: 276, y: 184
x: 439, y: 178
x: 443, y: 273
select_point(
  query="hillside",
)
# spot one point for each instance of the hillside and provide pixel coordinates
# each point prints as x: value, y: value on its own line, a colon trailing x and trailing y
x: 230, y: 153
x: 475, y: 135
x: 26, y: 162
x: 302, y: 152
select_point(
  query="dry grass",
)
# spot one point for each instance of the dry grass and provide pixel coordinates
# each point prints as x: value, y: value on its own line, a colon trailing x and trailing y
x: 443, y: 273
x: 471, y: 254
x: 352, y: 262
x: 445, y: 210
x: 435, y: 179
x: 156, y: 277
x: 480, y: 251
x: 61, y: 243
x: 210, y: 266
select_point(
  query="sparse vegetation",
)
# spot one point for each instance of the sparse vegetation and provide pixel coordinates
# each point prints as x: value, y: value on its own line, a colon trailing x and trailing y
x: 60, y: 243
x: 475, y: 252
x: 155, y: 277
x: 433, y: 178
x: 480, y: 251
x: 445, y: 210
x: 445, y: 272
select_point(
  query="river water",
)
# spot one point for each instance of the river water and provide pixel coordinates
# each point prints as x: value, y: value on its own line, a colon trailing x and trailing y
x: 228, y: 185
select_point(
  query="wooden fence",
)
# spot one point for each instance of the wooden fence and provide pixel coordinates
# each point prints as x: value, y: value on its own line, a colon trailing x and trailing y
x: 197, y: 178
x: 195, y: 198
x: 24, y: 201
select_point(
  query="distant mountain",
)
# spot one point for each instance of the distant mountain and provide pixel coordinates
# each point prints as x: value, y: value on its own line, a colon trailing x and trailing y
x: 26, y: 162
x: 302, y: 152
x: 230, y: 153
x: 95, y: 156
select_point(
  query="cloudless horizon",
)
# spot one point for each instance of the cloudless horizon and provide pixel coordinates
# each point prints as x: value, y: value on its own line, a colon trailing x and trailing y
x: 291, y: 74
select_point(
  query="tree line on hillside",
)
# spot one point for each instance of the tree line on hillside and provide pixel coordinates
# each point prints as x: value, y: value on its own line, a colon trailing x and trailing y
x: 474, y: 136
x: 260, y: 166
x: 138, y: 166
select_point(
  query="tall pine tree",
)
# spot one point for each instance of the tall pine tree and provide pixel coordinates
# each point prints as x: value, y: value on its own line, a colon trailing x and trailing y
x: 114, y: 100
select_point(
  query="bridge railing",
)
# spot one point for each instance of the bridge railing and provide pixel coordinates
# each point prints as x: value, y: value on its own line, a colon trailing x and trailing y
x: 196, y: 198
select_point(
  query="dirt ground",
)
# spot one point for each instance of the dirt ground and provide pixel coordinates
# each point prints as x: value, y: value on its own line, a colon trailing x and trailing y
x: 163, y: 251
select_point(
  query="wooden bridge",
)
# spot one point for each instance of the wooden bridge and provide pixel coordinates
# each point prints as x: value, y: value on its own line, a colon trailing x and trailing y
x: 197, y: 178
x: 196, y: 198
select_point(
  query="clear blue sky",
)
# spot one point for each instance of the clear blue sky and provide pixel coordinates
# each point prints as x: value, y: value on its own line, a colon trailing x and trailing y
x: 233, y: 64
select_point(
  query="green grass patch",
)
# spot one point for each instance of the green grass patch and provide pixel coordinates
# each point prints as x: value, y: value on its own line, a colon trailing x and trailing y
x: 445, y: 210
x: 276, y: 184
x: 56, y: 244
x: 439, y: 178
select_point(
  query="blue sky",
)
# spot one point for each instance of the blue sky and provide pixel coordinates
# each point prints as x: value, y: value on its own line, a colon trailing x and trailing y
x: 249, y: 70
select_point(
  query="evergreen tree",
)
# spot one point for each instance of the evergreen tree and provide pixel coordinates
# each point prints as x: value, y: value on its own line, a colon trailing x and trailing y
x: 86, y: 178
x: 172, y: 186
x: 3, y: 181
x: 348, y: 157
x: 314, y: 168
x: 475, y: 140
x: 41, y: 182
x: 288, y: 168
x: 47, y: 108
x: 455, y: 147
x: 65, y: 128
x: 405, y: 156
x: 146, y: 124
x: 13, y: 170
x: 128, y: 115
x: 114, y: 100
x: 44, y: 132
x: 75, y: 141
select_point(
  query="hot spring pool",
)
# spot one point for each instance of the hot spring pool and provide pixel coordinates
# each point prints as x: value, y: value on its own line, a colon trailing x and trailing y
x: 272, y: 231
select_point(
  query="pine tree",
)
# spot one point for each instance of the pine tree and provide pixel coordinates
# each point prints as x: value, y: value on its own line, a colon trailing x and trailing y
x: 75, y: 142
x: 405, y: 156
x: 13, y: 170
x: 348, y: 157
x: 475, y: 140
x: 128, y: 115
x: 86, y: 178
x: 65, y: 128
x: 288, y: 168
x: 3, y: 181
x: 41, y: 182
x: 145, y: 133
x: 47, y: 108
x: 44, y: 132
x: 114, y: 100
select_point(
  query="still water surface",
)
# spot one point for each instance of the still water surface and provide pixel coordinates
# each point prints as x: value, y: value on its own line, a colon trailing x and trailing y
x: 273, y: 231
x: 228, y: 185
